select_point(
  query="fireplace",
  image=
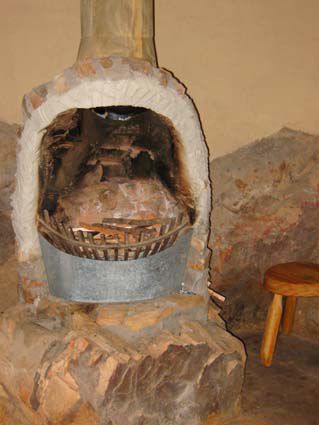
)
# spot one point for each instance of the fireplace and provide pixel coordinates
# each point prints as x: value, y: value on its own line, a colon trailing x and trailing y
x: 111, y: 216
x: 112, y: 189
x: 112, y: 175
x: 111, y: 186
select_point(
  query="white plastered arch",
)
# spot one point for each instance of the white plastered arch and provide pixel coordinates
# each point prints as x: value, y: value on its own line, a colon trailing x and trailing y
x: 122, y: 86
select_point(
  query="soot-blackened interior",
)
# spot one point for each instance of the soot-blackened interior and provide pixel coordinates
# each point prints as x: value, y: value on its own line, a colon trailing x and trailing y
x: 116, y: 146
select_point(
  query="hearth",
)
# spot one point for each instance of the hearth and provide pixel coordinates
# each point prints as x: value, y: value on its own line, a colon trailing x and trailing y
x: 113, y: 197
x: 111, y: 186
x: 112, y: 189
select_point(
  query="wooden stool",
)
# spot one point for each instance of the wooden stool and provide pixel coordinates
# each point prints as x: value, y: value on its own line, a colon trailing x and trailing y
x: 290, y: 280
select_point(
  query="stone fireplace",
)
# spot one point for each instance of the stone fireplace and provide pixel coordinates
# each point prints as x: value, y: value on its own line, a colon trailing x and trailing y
x: 111, y: 216
x: 110, y: 140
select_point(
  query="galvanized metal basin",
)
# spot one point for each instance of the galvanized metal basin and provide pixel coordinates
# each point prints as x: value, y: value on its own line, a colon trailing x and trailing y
x: 84, y: 280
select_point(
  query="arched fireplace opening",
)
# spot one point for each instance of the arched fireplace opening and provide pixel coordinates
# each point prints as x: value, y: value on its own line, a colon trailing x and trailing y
x: 112, y: 183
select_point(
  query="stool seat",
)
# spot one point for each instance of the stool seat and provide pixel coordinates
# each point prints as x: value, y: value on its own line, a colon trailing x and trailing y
x: 289, y: 280
x: 293, y: 279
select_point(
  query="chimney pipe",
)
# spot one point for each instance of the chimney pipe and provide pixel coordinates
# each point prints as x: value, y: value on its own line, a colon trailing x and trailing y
x: 117, y: 27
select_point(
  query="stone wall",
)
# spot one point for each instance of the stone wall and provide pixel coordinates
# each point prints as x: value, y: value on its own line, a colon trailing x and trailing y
x: 266, y: 199
x: 155, y: 363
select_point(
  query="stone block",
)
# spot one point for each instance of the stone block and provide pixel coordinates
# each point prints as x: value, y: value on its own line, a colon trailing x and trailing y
x: 144, y: 316
x: 138, y: 65
x: 200, y: 245
x: 58, y: 400
x: 85, y: 68
x: 106, y: 63
x: 64, y: 81
x: 81, y: 373
x: 38, y: 95
x: 27, y: 108
x: 85, y: 416
x: 31, y: 289
x: 164, y: 77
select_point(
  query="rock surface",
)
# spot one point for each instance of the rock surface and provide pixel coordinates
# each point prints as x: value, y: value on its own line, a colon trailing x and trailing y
x: 7, y: 163
x: 138, y: 199
x: 266, y: 198
x: 7, y: 170
x: 59, y: 366
x: 6, y: 237
x: 8, y: 274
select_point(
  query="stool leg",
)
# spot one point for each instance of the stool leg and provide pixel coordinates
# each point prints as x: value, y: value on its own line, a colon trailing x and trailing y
x: 271, y: 330
x: 289, y: 314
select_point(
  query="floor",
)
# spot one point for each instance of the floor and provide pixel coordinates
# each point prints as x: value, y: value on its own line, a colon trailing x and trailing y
x: 287, y: 393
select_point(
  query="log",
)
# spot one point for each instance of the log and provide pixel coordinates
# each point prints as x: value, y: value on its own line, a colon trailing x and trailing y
x: 119, y: 28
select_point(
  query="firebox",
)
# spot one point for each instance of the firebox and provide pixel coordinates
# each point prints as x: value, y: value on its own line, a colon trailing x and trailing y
x: 112, y: 196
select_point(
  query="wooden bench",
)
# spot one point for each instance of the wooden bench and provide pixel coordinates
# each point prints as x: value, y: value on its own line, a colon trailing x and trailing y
x: 290, y: 280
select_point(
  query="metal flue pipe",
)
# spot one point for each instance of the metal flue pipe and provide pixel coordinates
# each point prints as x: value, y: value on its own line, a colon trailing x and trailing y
x: 117, y: 27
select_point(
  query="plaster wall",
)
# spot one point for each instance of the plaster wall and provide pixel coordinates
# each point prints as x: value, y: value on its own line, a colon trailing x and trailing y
x: 250, y: 65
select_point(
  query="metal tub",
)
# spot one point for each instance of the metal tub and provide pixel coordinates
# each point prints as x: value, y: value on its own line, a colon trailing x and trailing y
x: 84, y: 280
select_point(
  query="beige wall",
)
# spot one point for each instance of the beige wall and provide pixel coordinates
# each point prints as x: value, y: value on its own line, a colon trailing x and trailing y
x: 252, y: 66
